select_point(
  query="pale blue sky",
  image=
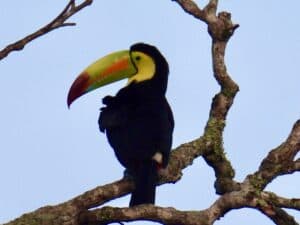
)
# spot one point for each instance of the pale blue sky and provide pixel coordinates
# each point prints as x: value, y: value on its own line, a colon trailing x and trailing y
x: 50, y: 154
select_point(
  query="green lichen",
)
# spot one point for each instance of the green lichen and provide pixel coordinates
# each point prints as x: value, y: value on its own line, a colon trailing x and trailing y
x: 215, y: 154
x: 262, y: 203
x: 257, y: 182
x: 213, y: 136
x: 229, y: 92
x: 34, y: 219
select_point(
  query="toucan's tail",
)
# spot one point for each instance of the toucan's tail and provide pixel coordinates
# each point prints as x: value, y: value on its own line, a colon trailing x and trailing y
x: 145, y: 182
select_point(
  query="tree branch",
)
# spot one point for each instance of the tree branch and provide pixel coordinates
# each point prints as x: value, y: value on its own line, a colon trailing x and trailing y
x: 211, y: 7
x: 278, y: 216
x: 70, y: 9
x: 221, y: 29
x: 191, y: 8
x: 279, y: 161
x: 293, y: 203
x: 166, y: 216
x: 181, y: 157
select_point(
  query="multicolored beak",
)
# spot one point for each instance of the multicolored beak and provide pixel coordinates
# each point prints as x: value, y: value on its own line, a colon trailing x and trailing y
x: 113, y: 67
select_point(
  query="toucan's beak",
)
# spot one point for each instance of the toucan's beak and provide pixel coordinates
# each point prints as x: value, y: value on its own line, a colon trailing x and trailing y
x: 110, y: 68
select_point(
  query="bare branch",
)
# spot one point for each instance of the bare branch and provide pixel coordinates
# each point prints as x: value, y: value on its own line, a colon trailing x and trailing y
x: 293, y: 203
x: 180, y: 158
x: 269, y: 204
x: 211, y: 7
x: 167, y: 216
x: 191, y: 8
x: 278, y: 216
x: 279, y: 161
x: 296, y: 165
x: 221, y: 29
x: 58, y: 22
x: 103, y: 194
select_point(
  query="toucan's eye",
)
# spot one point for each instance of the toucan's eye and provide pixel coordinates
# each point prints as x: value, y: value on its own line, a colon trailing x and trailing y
x: 138, y: 58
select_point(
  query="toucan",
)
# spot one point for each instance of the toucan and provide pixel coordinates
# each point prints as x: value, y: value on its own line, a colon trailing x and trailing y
x: 138, y: 120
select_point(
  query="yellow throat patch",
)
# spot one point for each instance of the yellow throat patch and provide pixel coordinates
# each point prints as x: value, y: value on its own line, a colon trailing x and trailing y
x: 145, y: 66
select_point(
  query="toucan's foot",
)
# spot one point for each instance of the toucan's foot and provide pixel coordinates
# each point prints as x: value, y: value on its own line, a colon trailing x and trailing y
x: 162, y: 172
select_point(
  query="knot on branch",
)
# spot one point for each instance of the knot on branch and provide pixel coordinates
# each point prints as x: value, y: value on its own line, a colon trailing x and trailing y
x: 225, y: 185
x: 222, y: 28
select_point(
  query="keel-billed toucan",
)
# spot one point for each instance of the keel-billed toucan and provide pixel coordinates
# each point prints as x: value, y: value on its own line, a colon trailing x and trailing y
x: 138, y: 121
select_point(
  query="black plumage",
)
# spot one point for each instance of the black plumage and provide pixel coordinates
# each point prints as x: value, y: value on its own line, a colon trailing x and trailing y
x: 138, y: 122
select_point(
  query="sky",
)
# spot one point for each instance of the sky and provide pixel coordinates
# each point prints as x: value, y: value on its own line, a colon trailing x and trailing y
x: 49, y: 154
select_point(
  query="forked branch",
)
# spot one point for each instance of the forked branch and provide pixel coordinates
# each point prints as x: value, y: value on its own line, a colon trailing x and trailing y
x: 60, y: 21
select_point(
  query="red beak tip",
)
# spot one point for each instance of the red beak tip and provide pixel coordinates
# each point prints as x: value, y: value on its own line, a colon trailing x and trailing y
x: 69, y: 101
x: 78, y: 88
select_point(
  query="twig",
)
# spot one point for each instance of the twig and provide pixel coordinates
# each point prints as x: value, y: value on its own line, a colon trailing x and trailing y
x: 191, y: 8
x: 58, y: 22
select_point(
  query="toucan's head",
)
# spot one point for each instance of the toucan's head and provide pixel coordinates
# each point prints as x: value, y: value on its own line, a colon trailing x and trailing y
x: 141, y: 63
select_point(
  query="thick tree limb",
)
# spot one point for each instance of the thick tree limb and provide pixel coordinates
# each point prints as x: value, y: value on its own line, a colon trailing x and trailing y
x: 60, y: 21
x: 166, y: 216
